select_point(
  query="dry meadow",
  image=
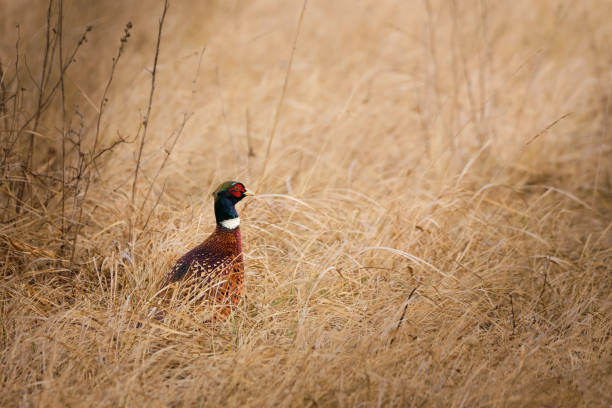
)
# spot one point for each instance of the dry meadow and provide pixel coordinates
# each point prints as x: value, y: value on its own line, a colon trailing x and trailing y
x: 432, y: 225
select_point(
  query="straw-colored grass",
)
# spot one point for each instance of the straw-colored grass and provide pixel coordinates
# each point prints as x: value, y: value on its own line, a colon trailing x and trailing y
x: 462, y: 149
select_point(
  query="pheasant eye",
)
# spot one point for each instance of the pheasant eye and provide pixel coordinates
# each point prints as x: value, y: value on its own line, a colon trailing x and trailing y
x: 236, y: 191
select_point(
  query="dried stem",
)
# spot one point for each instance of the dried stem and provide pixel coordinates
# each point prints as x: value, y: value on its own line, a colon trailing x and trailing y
x: 178, y: 133
x: 103, y: 100
x: 282, y: 97
x: 152, y: 92
x: 60, y: 19
x: 41, y: 86
x: 401, y: 319
x: 47, y: 100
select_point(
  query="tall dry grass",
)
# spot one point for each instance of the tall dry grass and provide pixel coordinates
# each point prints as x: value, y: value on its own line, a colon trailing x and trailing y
x: 432, y: 229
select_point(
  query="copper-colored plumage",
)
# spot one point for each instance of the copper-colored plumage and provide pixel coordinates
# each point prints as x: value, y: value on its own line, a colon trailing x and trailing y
x: 216, y: 266
x: 213, y: 272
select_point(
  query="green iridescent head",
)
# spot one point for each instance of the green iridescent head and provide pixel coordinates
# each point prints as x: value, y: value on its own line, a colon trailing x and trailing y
x: 231, y: 188
x: 227, y: 195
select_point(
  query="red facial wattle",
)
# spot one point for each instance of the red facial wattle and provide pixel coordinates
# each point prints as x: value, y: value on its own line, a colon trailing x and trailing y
x: 237, y: 190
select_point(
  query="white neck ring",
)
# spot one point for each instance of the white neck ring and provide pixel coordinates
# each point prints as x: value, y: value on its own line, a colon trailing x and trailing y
x: 231, y: 224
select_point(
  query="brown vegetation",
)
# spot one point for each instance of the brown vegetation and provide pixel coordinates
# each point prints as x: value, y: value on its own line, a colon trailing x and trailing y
x: 433, y: 221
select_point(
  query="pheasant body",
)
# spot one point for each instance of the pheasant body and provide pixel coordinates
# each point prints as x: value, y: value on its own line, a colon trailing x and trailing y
x: 213, y: 272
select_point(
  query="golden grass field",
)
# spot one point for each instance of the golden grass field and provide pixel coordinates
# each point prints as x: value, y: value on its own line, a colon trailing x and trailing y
x: 458, y: 151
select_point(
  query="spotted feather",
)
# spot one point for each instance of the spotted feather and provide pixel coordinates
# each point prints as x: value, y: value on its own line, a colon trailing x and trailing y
x: 216, y: 266
x: 213, y: 272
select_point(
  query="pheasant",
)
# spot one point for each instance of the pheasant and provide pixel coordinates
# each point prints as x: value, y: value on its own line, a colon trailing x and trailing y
x: 213, y: 271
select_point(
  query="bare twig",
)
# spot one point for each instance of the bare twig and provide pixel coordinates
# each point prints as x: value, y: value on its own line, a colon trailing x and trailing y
x: 83, y: 165
x: 401, y: 319
x: 178, y: 133
x: 103, y: 100
x: 251, y: 152
x: 282, y: 97
x: 41, y: 87
x: 148, y: 114
x: 543, y: 288
x: 547, y: 128
x: 29, y: 161
x: 120, y: 139
x: 78, y: 178
x: 224, y: 115
x: 161, y: 193
x: 47, y: 100
x: 3, y: 98
x: 63, y: 99
x: 7, y: 150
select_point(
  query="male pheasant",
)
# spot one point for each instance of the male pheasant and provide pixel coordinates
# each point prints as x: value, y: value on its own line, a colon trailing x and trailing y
x: 213, y: 271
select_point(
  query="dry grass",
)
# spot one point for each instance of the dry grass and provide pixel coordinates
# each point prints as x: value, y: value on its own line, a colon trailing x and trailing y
x: 459, y: 148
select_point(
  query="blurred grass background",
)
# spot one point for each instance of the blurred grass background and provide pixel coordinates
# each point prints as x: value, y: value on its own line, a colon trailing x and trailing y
x: 459, y: 148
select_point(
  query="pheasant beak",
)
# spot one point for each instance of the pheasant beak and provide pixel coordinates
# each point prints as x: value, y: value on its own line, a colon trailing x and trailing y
x: 248, y: 193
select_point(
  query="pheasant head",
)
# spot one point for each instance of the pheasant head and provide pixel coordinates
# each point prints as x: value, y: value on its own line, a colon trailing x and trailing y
x: 227, y: 195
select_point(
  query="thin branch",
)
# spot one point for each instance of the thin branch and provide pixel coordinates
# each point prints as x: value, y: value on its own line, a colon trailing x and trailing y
x: 79, y: 176
x: 59, y: 36
x: 3, y: 98
x: 224, y: 115
x: 103, y: 100
x: 251, y: 152
x: 161, y: 193
x: 178, y: 132
x: 401, y: 319
x: 282, y: 97
x: 55, y: 87
x: 108, y: 148
x: 543, y: 288
x: 29, y: 161
x: 41, y: 88
x: 547, y: 128
x: 167, y: 152
x: 148, y: 114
